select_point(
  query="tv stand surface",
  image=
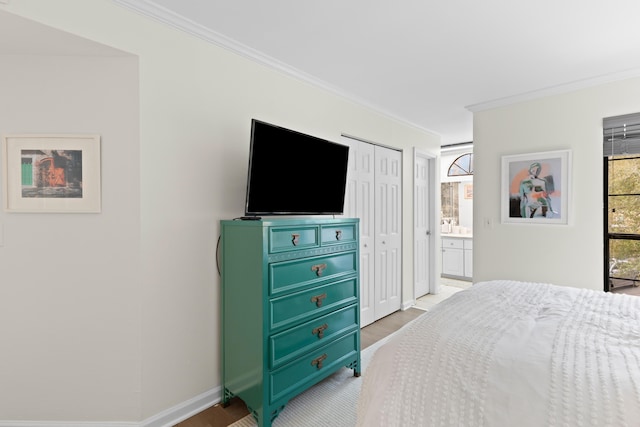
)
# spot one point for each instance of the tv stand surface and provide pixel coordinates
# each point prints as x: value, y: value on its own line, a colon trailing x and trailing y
x: 250, y: 218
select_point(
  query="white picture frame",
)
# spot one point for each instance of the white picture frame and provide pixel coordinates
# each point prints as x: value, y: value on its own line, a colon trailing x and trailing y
x: 52, y: 173
x: 535, y: 188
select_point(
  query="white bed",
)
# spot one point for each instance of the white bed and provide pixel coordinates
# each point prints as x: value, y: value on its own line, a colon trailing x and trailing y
x: 506, y: 353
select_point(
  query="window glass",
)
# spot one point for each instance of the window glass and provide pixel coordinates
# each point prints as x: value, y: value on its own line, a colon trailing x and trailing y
x: 624, y: 262
x: 449, y: 202
x: 461, y: 166
x: 624, y: 175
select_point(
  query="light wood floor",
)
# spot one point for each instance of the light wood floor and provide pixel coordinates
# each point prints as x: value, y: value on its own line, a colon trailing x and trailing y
x: 217, y: 416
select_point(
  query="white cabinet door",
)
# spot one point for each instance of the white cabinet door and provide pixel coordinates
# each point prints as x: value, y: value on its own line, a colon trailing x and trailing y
x: 452, y: 257
x: 468, y: 258
x: 453, y: 262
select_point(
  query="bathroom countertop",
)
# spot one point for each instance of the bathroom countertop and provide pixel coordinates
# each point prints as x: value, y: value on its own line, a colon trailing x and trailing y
x: 457, y: 235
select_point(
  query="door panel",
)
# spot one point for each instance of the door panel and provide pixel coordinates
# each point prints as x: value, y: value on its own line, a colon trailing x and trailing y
x: 422, y: 232
x: 388, y: 231
x: 374, y: 195
x: 359, y: 204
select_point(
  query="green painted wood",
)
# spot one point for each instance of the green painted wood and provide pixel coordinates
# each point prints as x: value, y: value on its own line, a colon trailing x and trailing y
x: 296, y: 377
x: 295, y: 342
x: 281, y: 279
x: 292, y: 308
x: 285, y: 276
x: 339, y: 233
x: 293, y: 238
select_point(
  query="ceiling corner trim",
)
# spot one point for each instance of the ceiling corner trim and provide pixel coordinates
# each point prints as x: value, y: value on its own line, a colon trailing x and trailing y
x: 554, y: 90
x: 161, y: 14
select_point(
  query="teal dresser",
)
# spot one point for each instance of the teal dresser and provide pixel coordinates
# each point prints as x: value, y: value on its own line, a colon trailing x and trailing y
x: 290, y: 308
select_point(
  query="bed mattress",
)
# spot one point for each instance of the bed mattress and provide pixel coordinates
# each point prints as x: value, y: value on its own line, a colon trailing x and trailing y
x: 507, y: 353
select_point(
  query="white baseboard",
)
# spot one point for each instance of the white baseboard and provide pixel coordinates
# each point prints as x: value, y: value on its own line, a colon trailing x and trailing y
x: 184, y: 410
x: 408, y: 304
x: 166, y: 418
x: 4, y: 423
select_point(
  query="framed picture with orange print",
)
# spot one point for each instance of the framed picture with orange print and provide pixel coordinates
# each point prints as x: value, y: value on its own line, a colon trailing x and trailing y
x: 535, y: 188
x: 52, y: 173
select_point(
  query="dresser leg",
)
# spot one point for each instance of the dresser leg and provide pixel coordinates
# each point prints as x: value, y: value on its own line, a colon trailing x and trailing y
x: 355, y: 365
x: 226, y: 397
x: 276, y: 412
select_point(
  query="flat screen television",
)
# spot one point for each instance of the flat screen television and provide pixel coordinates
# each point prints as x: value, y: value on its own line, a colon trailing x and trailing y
x: 291, y: 173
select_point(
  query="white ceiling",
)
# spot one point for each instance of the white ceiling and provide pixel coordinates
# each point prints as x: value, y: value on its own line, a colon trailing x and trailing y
x: 427, y: 62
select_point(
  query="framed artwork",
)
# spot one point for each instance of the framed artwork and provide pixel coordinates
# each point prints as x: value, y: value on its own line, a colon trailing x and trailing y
x: 51, y: 173
x: 535, y: 188
x: 468, y: 191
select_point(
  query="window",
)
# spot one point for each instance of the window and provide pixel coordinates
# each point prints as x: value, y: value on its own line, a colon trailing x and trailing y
x: 462, y: 166
x: 621, y: 149
x: 449, y: 203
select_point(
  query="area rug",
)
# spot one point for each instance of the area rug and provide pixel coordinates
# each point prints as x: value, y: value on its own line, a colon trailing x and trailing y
x: 331, y: 403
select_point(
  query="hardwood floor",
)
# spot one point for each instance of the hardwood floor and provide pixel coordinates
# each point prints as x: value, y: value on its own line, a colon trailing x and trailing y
x: 379, y: 329
x: 217, y: 416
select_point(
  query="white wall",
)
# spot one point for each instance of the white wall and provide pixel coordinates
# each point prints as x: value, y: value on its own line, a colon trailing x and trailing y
x: 566, y: 255
x: 69, y: 293
x: 140, y: 321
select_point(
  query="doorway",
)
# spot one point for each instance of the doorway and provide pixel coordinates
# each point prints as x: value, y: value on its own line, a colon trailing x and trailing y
x: 424, y: 224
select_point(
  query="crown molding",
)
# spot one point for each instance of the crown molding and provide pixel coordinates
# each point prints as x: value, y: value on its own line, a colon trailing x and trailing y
x: 554, y: 90
x: 159, y: 13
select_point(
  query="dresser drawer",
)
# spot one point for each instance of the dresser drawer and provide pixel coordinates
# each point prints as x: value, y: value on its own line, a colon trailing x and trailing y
x: 294, y: 342
x: 308, y: 369
x: 338, y: 233
x: 288, y: 310
x: 288, y: 276
x: 293, y: 238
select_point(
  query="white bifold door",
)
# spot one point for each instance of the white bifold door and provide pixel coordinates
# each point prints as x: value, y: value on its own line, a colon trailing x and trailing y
x: 373, y: 194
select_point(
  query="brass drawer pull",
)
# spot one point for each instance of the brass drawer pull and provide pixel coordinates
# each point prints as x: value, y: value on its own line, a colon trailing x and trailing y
x: 318, y: 361
x: 295, y: 238
x: 320, y: 330
x: 318, y: 299
x: 318, y: 268
x: 338, y: 234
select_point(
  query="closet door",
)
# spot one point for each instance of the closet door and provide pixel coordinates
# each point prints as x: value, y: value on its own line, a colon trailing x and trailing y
x: 388, y: 231
x: 374, y: 195
x: 359, y: 204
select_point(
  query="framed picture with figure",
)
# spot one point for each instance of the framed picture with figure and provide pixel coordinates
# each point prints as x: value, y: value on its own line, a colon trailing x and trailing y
x: 535, y: 188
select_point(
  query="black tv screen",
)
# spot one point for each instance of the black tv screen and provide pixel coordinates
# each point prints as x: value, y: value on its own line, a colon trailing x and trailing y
x: 291, y: 173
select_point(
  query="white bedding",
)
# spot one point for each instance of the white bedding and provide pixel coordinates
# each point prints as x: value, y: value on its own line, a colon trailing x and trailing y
x: 506, y: 353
